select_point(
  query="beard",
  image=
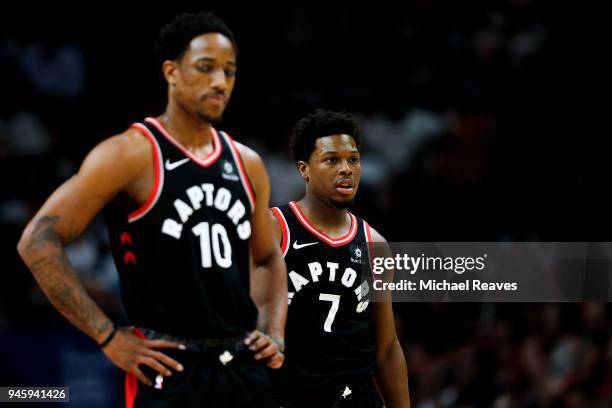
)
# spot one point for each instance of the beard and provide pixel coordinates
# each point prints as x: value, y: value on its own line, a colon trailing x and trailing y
x: 213, y: 120
x: 342, y: 204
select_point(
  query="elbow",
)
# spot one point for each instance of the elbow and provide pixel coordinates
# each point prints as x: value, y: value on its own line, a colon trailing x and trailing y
x: 381, y: 356
x: 22, y: 246
x: 273, y: 260
x: 388, y: 351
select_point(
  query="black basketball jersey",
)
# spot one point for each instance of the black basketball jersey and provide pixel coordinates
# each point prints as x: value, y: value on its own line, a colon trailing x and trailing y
x: 329, y: 333
x: 183, y: 256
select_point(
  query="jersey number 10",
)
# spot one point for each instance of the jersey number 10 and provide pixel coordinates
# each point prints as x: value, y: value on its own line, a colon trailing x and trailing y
x: 214, y: 242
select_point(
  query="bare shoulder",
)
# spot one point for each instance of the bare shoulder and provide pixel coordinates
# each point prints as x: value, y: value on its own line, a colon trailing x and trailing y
x: 249, y: 156
x: 118, y: 160
x: 127, y: 148
x: 275, y: 225
x: 376, y: 236
x: 381, y: 247
x: 254, y: 165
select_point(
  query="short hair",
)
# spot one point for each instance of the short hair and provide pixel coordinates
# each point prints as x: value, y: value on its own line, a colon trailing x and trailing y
x: 174, y: 37
x: 319, y: 124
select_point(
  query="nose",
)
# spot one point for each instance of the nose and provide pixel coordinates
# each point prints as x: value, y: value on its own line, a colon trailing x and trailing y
x: 345, y: 167
x: 218, y: 80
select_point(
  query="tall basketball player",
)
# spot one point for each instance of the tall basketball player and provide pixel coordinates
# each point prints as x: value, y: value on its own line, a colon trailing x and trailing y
x: 189, y: 228
x: 337, y: 342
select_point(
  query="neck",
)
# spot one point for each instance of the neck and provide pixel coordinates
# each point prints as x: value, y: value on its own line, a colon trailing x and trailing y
x: 187, y: 129
x: 323, y: 213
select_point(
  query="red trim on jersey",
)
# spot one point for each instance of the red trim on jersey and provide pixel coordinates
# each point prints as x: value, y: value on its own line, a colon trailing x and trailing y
x: 369, y: 241
x: 159, y: 175
x: 131, y: 389
x: 368, y: 232
x: 131, y: 382
x: 284, y: 228
x: 245, y: 179
x: 204, y: 162
x: 320, y: 234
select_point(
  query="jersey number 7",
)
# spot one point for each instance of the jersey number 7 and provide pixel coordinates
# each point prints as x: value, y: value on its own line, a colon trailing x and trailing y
x: 335, y: 299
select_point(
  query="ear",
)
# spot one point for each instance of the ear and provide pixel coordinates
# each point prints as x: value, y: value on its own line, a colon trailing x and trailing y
x: 170, y: 71
x: 303, y: 169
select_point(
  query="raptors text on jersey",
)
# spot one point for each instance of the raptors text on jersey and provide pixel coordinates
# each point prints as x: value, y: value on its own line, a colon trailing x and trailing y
x: 329, y: 333
x: 183, y: 255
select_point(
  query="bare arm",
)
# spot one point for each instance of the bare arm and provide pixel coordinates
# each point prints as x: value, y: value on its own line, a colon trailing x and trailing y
x: 391, y: 371
x: 268, y: 276
x: 276, y: 229
x: 62, y: 218
x: 111, y: 167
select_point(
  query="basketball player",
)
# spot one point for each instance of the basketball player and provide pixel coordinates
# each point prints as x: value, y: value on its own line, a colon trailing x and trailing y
x: 189, y: 224
x: 336, y: 340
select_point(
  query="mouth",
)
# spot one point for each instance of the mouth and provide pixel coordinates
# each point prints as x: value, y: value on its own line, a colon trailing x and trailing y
x: 345, y: 186
x: 216, y: 98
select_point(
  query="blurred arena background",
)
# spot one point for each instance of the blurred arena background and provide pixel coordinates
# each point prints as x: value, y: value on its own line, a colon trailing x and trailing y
x: 476, y: 127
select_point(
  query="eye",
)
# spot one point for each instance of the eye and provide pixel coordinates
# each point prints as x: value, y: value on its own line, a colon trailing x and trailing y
x: 354, y: 160
x: 204, y: 68
x: 331, y: 160
x: 230, y: 73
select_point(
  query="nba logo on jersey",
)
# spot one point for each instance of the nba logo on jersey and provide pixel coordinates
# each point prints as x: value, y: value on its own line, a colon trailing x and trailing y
x: 329, y: 318
x: 356, y: 254
x: 228, y: 171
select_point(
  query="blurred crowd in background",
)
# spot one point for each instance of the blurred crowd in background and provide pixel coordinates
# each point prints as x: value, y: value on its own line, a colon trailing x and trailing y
x: 472, y: 128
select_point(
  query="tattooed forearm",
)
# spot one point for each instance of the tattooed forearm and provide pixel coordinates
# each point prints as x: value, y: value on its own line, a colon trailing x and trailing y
x: 44, y: 233
x: 77, y: 306
x: 46, y: 258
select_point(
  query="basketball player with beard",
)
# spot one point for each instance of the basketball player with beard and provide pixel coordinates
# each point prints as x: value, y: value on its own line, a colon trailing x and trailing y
x: 337, y: 341
x: 190, y: 234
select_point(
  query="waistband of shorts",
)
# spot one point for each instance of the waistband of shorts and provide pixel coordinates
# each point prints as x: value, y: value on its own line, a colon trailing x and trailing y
x: 235, y: 344
x: 333, y: 388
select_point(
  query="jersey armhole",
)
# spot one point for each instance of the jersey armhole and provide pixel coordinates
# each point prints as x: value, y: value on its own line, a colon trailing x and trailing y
x: 284, y: 229
x: 369, y: 242
x: 159, y: 175
x: 244, y: 177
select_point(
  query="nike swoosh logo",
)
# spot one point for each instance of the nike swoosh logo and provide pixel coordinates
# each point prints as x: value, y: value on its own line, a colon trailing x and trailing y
x: 172, y: 166
x: 299, y: 246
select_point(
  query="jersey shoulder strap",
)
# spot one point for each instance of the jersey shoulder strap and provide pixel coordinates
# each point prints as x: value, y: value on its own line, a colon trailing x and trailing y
x: 295, y: 226
x: 283, y: 216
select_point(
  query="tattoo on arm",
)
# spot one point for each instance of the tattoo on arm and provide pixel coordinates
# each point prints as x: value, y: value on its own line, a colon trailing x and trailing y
x: 58, y: 279
x: 44, y: 233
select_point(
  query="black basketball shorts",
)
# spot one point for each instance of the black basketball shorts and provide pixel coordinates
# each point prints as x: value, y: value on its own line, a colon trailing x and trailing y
x: 208, y: 380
